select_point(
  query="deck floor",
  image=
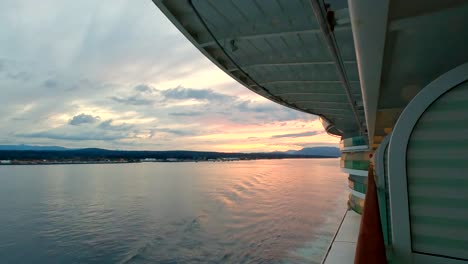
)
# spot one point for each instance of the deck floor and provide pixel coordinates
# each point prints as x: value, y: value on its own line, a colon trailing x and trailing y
x: 344, y: 246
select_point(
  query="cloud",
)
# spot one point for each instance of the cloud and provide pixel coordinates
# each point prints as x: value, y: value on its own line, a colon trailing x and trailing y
x: 100, y: 131
x: 132, y: 100
x: 249, y: 106
x: 12, y: 73
x: 316, y: 144
x: 178, y: 132
x: 107, y: 125
x: 83, y: 119
x: 100, y: 69
x: 143, y: 88
x: 21, y: 76
x: 188, y: 113
x: 297, y: 135
x: 74, y: 136
x: 181, y: 93
x: 50, y: 83
x: 141, y: 97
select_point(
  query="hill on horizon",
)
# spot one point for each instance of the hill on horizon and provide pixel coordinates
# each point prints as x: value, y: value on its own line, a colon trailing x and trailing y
x: 309, y: 151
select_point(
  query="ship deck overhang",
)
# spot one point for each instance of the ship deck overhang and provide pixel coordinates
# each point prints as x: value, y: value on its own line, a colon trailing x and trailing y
x: 297, y: 53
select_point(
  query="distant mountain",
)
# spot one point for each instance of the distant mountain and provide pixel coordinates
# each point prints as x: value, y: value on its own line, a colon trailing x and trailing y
x: 55, y: 153
x: 316, y: 151
x: 31, y: 152
x: 32, y: 147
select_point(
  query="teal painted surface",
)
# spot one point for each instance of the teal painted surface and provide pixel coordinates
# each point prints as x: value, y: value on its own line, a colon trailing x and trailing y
x: 357, y: 178
x: 437, y: 167
x: 355, y: 160
x: 356, y: 164
x: 384, y: 206
x: 387, y: 214
x: 353, y: 141
x: 358, y: 186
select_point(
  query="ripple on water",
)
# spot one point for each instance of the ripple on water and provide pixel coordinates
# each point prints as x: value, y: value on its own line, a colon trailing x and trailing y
x: 271, y: 211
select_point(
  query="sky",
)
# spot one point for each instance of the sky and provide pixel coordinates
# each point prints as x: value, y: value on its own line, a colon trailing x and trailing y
x: 118, y: 75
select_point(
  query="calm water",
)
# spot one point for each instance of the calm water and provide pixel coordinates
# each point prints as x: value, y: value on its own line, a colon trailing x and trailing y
x: 268, y: 211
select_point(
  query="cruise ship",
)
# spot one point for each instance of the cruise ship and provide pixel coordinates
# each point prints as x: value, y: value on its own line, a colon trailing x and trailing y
x: 388, y: 77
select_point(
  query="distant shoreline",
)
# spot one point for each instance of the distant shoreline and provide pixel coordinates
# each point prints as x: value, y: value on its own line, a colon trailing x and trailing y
x: 105, y: 156
x: 46, y: 162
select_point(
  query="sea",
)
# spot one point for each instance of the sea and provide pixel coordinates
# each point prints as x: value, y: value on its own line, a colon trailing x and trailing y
x: 257, y: 211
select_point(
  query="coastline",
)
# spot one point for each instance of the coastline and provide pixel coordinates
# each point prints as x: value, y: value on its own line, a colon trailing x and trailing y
x: 47, y: 162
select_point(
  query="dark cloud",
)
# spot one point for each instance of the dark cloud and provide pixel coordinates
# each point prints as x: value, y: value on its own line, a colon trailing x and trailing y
x: 104, y: 131
x: 50, y: 83
x: 83, y: 136
x: 143, y: 88
x: 249, y: 106
x: 188, y: 113
x: 83, y: 119
x: 315, y: 144
x: 228, y: 112
x: 297, y: 135
x: 19, y: 76
x: 18, y: 119
x: 107, y: 125
x: 181, y: 93
x: 178, y: 132
x: 132, y: 100
x: 12, y: 73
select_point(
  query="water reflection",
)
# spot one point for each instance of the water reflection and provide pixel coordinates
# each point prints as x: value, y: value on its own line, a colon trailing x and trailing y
x: 274, y: 211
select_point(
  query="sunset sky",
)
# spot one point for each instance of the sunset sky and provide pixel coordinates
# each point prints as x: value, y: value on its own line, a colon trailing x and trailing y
x: 118, y: 75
